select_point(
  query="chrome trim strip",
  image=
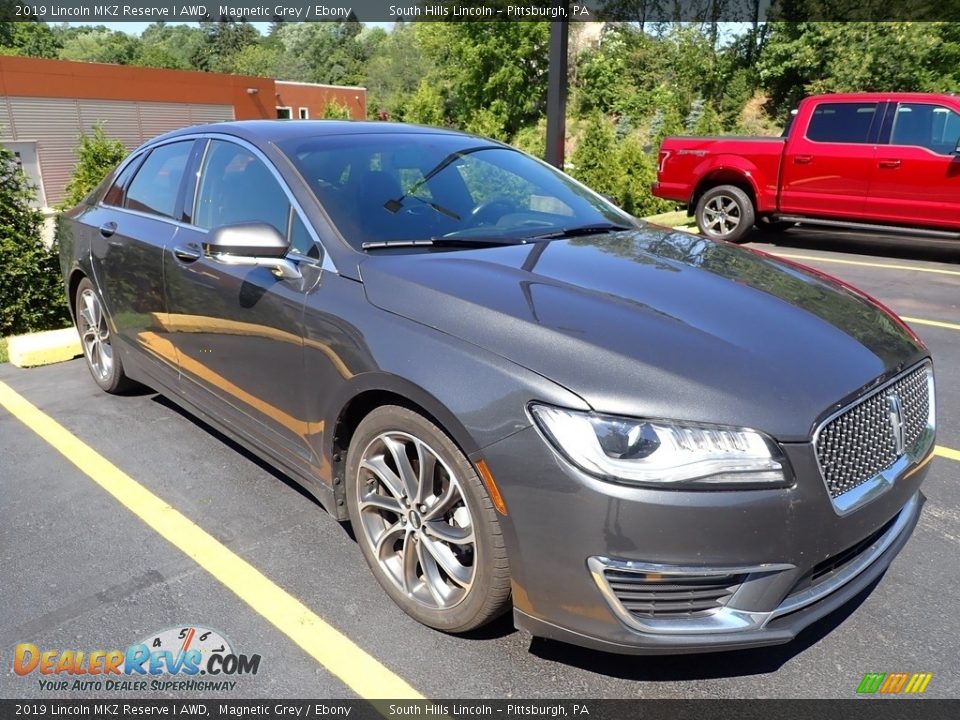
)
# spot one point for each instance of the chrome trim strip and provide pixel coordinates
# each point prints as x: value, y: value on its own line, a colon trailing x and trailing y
x: 730, y: 619
x: 326, y: 262
x: 864, y: 560
x: 722, y: 620
x: 882, y: 481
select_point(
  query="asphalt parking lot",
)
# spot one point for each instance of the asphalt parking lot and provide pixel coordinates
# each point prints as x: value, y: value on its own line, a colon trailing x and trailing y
x: 82, y: 569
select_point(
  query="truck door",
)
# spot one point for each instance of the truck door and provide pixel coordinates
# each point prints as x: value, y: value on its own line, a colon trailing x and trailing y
x: 916, y: 175
x: 829, y: 159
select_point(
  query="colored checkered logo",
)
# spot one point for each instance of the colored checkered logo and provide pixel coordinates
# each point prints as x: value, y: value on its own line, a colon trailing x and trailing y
x: 894, y: 683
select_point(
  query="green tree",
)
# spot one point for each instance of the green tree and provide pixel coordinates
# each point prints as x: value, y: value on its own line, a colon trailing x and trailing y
x: 595, y: 160
x: 30, y: 39
x: 335, y: 111
x: 394, y: 72
x: 97, y: 155
x: 223, y: 40
x: 99, y: 44
x: 170, y: 46
x: 637, y: 171
x: 804, y: 58
x: 31, y: 289
x: 499, y: 66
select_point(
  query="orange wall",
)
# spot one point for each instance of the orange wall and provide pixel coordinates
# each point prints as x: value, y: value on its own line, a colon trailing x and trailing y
x: 36, y: 77
x: 316, y: 98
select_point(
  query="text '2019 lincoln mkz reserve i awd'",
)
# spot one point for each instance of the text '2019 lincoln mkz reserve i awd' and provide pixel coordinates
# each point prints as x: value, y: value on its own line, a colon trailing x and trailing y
x: 518, y: 395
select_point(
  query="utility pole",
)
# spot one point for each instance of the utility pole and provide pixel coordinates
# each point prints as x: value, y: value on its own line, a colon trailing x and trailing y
x: 557, y: 86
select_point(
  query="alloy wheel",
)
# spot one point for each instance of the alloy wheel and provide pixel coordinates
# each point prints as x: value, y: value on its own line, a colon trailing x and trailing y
x: 722, y: 215
x: 416, y: 520
x: 95, y: 335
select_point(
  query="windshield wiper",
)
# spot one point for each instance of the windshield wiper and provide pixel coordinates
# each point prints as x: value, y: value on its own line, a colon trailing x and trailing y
x: 475, y: 241
x: 578, y: 230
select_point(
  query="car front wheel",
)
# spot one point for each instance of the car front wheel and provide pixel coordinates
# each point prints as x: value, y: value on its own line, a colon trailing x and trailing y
x: 425, y: 522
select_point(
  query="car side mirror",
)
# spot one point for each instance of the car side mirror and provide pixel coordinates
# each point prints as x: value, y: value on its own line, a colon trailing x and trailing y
x: 251, y: 245
x: 956, y: 150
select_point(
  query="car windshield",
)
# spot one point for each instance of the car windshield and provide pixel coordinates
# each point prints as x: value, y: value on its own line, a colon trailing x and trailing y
x: 385, y: 188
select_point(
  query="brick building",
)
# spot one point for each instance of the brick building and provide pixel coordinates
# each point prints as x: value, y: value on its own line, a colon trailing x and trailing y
x: 45, y: 105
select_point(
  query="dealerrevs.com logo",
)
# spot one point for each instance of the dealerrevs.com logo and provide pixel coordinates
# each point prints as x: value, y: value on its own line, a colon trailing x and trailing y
x: 170, y: 660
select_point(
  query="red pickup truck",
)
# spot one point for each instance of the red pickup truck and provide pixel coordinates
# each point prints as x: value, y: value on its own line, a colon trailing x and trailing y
x: 877, y: 161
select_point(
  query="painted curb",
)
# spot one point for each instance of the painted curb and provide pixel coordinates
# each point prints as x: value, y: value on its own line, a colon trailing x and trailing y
x: 44, y: 348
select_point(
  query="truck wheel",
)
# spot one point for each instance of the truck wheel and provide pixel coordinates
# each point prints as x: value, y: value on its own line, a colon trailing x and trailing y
x: 726, y: 213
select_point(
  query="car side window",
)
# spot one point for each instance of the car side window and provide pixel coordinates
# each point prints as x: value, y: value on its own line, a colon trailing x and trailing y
x: 933, y: 127
x: 156, y: 185
x: 842, y: 122
x: 300, y: 238
x: 114, y: 195
x: 237, y: 187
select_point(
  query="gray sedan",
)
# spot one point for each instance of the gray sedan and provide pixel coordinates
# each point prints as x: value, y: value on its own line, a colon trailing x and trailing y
x: 517, y: 395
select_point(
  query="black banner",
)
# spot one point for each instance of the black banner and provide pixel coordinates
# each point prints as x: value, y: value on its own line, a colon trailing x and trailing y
x: 643, y: 11
x: 854, y: 709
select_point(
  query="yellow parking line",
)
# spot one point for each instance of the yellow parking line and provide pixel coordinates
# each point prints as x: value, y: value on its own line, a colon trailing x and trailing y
x: 864, y: 263
x: 933, y: 323
x: 946, y: 452
x: 362, y: 673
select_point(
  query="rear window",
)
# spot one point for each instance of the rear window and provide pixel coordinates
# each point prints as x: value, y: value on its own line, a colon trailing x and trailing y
x: 842, y: 122
x: 157, y: 183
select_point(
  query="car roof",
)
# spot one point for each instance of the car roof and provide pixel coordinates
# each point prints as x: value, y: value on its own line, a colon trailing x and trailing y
x: 880, y: 96
x: 282, y: 130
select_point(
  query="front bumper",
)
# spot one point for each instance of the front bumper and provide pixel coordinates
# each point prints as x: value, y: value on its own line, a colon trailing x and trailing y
x: 792, y: 557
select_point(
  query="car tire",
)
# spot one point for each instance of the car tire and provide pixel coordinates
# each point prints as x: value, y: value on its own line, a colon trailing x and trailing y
x: 96, y: 339
x: 726, y: 213
x: 433, y: 541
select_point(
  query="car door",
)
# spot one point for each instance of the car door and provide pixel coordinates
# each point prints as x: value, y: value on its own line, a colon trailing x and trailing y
x: 916, y: 173
x: 134, y: 224
x: 826, y: 170
x: 237, y: 329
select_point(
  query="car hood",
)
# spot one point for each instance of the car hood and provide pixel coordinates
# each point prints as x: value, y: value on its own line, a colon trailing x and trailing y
x: 660, y: 324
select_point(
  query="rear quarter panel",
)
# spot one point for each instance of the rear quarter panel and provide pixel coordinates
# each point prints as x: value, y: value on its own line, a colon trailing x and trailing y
x: 689, y: 164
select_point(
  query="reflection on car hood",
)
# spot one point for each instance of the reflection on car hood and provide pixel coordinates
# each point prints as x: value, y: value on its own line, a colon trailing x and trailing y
x: 657, y: 324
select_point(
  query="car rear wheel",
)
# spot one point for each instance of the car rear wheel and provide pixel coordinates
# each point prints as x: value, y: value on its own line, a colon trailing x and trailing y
x: 425, y: 522
x: 726, y: 213
x: 102, y: 359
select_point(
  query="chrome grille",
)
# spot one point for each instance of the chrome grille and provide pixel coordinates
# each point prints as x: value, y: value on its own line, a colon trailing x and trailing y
x: 647, y: 595
x: 859, y: 443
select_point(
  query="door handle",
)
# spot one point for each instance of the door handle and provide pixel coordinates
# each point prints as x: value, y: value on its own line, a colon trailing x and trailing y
x: 188, y: 253
x: 890, y: 163
x: 802, y: 159
x: 108, y: 229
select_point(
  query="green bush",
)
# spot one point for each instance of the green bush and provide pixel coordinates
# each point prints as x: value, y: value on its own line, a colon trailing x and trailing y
x: 595, y: 161
x: 335, y: 111
x: 31, y: 290
x: 97, y: 155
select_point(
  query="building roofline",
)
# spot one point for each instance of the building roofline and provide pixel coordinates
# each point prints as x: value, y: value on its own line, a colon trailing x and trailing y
x: 320, y: 85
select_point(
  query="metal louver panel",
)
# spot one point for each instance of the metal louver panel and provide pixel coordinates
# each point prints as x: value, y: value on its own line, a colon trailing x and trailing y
x: 158, y: 118
x: 119, y: 119
x: 6, y: 121
x: 200, y: 114
x: 54, y: 124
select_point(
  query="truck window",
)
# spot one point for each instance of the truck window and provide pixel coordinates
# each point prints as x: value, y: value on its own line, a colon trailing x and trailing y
x: 933, y: 127
x: 842, y: 122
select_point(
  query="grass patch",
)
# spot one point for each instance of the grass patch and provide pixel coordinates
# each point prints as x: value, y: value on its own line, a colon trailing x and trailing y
x: 3, y: 350
x: 672, y: 219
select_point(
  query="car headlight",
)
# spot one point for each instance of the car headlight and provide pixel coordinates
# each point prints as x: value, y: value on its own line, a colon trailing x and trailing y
x: 663, y: 454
